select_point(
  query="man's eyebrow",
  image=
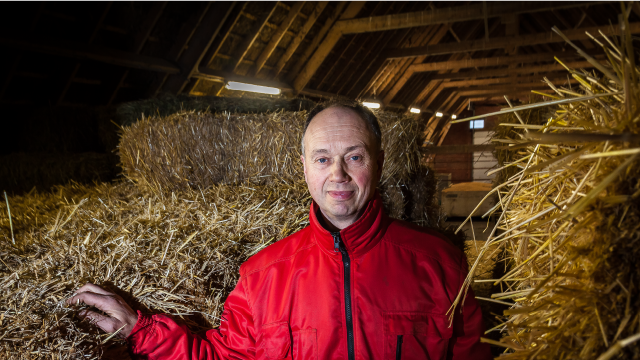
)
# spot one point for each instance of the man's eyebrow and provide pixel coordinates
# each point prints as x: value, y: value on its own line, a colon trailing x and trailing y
x: 354, y: 147
x: 320, y: 151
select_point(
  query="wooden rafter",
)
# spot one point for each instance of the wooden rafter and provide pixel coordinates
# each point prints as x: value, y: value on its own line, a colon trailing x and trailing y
x: 356, y: 43
x: 391, y: 68
x: 277, y: 36
x: 492, y: 61
x: 338, y: 13
x: 395, y: 86
x: 548, y: 68
x: 184, y: 36
x: 415, y: 19
x: 293, y: 46
x: 251, y: 38
x: 501, y: 91
x: 433, y: 88
x: 199, y: 45
x: 140, y: 39
x: 499, y: 43
x: 93, y: 35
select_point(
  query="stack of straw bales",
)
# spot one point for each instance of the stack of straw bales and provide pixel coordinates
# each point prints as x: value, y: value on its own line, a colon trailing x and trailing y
x: 569, y: 216
x: 205, y: 192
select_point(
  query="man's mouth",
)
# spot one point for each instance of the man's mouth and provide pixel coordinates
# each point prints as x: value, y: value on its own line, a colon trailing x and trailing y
x: 341, y: 195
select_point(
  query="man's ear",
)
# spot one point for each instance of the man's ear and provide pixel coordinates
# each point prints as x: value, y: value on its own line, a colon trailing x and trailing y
x: 380, y: 163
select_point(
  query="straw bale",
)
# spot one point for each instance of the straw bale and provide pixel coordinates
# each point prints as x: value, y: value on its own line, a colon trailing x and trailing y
x: 569, y: 218
x: 196, y: 150
x: 177, y: 254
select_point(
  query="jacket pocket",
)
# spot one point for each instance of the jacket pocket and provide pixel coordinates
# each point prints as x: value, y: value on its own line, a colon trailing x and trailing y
x: 276, y: 341
x: 420, y: 335
x: 305, y: 344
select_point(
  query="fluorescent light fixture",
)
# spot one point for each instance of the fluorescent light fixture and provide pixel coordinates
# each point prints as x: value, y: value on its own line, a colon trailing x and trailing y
x: 371, y: 105
x: 415, y: 110
x: 453, y: 117
x: 232, y: 85
x: 439, y: 114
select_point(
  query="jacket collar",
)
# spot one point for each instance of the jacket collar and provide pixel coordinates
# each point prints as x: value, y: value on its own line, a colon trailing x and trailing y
x: 359, y: 237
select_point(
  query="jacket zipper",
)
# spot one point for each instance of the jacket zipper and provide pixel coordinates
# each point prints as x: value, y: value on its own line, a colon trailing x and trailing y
x: 399, y: 348
x: 346, y: 263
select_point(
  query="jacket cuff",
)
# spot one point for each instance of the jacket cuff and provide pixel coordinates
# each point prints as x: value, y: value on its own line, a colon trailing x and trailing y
x: 145, y: 327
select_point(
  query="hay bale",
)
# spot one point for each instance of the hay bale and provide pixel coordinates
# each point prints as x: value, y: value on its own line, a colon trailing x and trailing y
x: 174, y: 254
x: 569, y: 220
x: 196, y: 150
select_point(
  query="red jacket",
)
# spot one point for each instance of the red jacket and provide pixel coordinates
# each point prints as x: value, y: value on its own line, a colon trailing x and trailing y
x: 378, y: 289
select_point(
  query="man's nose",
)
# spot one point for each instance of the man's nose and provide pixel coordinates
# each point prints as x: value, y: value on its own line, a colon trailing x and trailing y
x: 338, y: 172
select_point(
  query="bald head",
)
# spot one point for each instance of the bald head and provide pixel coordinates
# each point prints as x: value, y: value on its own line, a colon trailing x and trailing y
x: 356, y: 108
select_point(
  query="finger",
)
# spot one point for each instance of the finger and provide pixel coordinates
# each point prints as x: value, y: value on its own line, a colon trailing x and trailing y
x: 94, y: 289
x: 105, y: 323
x: 100, y: 301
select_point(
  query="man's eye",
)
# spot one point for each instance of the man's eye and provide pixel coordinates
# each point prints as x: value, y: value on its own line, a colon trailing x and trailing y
x: 322, y: 161
x: 355, y: 158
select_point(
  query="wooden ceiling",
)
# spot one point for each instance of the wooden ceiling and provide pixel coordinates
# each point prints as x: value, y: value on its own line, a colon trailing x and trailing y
x: 436, y: 56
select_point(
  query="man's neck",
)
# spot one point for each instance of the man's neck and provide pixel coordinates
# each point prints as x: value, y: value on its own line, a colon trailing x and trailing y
x: 335, y: 225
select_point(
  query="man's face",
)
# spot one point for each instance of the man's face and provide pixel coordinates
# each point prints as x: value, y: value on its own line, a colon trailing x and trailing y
x: 342, y: 164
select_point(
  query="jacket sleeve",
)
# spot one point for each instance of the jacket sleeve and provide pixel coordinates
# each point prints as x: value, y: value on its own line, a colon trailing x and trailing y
x: 159, y: 337
x: 468, y: 328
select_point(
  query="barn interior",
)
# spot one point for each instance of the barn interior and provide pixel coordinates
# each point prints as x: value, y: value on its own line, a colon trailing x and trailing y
x: 81, y: 82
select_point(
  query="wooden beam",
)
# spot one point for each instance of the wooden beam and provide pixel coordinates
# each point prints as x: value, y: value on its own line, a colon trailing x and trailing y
x: 140, y: 39
x: 214, y: 49
x: 474, y: 74
x: 505, y: 42
x: 500, y: 91
x: 199, y: 45
x: 185, y: 34
x: 277, y: 36
x: 350, y: 12
x: 337, y: 63
x: 492, y: 61
x: 416, y: 19
x: 431, y: 85
x: 293, y: 46
x: 406, y: 75
x: 96, y: 28
x: 554, y: 77
x: 253, y: 35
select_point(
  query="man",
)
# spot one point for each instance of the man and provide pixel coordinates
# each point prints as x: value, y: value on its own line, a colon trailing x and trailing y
x: 354, y: 284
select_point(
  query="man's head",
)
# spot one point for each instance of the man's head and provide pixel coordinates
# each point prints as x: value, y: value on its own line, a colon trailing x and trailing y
x: 342, y: 158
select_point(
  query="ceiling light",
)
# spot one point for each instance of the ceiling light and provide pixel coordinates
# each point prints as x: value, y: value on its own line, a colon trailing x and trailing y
x: 439, y: 114
x: 371, y: 105
x: 232, y: 85
x: 415, y: 110
x: 453, y: 117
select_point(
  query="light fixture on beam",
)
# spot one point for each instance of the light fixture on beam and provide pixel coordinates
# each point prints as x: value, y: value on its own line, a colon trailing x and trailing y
x: 415, y: 110
x: 371, y: 105
x: 439, y: 114
x: 453, y: 117
x: 238, y: 86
